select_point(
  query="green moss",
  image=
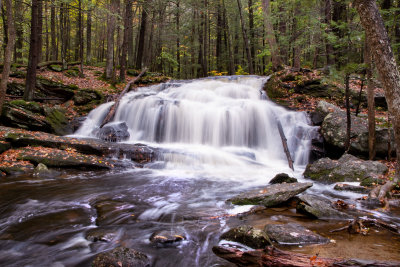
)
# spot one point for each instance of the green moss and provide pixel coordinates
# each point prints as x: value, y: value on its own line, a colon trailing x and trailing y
x: 72, y: 73
x: 57, y: 120
x: 31, y: 106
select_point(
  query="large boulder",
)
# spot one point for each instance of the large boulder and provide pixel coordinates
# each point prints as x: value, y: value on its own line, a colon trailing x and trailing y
x: 121, y: 256
x: 347, y: 169
x: 248, y: 236
x: 58, y: 121
x: 334, y: 127
x: 319, y: 207
x: 85, y: 96
x: 114, y: 132
x: 272, y: 195
x: 293, y: 234
x: 114, y: 212
x: 283, y: 178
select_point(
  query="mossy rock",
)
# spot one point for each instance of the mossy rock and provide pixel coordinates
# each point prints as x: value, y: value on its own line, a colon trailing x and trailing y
x: 17, y: 116
x: 132, y: 72
x: 15, y: 89
x: 274, y: 88
x: 16, y: 167
x: 31, y: 106
x: 18, y: 74
x: 121, y: 256
x: 58, y: 121
x: 56, y: 68
x: 72, y: 73
x: 248, y: 236
x: 85, y: 96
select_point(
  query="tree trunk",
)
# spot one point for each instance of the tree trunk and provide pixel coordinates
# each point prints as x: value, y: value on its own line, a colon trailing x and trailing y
x: 178, y: 42
x: 8, y: 53
x: 142, y: 38
x: 89, y: 35
x: 252, y: 33
x: 53, y: 31
x: 110, y: 39
x: 33, y: 52
x: 330, y: 60
x: 80, y: 37
x: 127, y: 30
x: 348, y: 115
x: 377, y: 38
x: 40, y: 30
x: 275, y: 56
x: 245, y: 39
x: 228, y: 42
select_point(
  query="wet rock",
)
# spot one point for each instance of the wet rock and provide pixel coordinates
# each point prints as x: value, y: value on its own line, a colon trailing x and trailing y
x: 76, y: 123
x: 62, y: 158
x: 15, y: 89
x: 317, y: 150
x: 319, y: 207
x: 113, y: 212
x: 248, y: 236
x: 282, y: 178
x: 56, y: 68
x: 166, y: 238
x: 136, y: 152
x: 347, y: 169
x: 115, y: 132
x: 59, y: 123
x: 272, y: 195
x: 41, y: 170
x: 352, y: 188
x: 16, y: 167
x: 380, y: 101
x: 101, y: 235
x: 293, y: 234
x: 316, y: 118
x: 121, y: 257
x: 46, y: 88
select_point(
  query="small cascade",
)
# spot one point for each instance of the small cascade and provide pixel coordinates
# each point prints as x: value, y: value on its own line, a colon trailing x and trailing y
x: 223, y: 122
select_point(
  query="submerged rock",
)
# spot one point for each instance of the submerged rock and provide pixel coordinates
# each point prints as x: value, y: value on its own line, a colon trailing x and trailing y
x: 248, y: 236
x: 352, y: 188
x: 122, y: 257
x: 41, y: 170
x: 166, y: 238
x: 347, y: 169
x: 272, y: 195
x: 282, y: 178
x: 115, y: 132
x: 293, y: 234
x: 113, y: 212
x: 319, y: 207
x: 101, y: 235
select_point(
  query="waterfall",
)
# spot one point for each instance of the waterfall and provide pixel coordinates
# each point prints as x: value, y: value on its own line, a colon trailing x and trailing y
x: 219, y: 122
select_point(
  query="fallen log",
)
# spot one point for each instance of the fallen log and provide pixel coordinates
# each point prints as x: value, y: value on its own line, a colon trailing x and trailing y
x: 114, y: 107
x: 284, y: 143
x: 271, y: 256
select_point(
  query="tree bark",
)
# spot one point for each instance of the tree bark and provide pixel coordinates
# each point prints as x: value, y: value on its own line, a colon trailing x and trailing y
x: 19, y: 28
x: 330, y: 60
x: 53, y: 30
x: 245, y: 39
x: 142, y: 37
x: 33, y: 52
x: 89, y: 35
x: 377, y: 38
x: 8, y: 52
x: 124, y: 52
x: 110, y: 39
x: 275, y: 56
x: 80, y: 37
x: 348, y: 115
x: 178, y: 42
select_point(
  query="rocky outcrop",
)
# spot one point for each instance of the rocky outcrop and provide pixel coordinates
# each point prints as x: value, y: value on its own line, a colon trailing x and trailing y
x: 121, y: 256
x: 347, y: 169
x: 248, y: 236
x: 352, y: 188
x: 114, y: 132
x: 319, y: 207
x: 283, y: 178
x: 272, y: 195
x: 136, y: 152
x: 293, y: 234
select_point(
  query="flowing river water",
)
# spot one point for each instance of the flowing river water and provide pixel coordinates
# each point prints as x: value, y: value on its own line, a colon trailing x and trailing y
x: 215, y: 138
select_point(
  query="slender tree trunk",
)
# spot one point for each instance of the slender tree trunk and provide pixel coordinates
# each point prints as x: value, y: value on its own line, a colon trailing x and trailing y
x: 40, y: 30
x: 231, y: 69
x: 348, y: 115
x: 33, y: 52
x: 328, y: 46
x: 127, y: 30
x: 110, y: 40
x: 252, y: 33
x: 377, y: 38
x: 8, y: 53
x: 53, y: 30
x: 276, y: 59
x: 178, y: 42
x: 18, y: 22
x: 245, y: 39
x: 142, y: 38
x: 80, y: 37
x: 220, y: 27
x: 89, y: 35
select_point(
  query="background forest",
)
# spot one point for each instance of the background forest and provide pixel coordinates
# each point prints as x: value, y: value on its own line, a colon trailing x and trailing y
x: 189, y: 38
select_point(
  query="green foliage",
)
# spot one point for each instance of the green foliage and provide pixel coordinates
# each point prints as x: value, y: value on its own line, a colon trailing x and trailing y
x: 240, y: 71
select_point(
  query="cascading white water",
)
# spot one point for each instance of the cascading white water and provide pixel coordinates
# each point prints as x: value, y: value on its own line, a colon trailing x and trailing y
x: 218, y: 127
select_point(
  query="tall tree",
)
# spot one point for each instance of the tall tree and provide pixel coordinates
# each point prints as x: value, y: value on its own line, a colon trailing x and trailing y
x: 245, y: 39
x: 89, y: 34
x: 8, y: 52
x: 142, y: 37
x: 275, y: 56
x: 127, y: 31
x: 53, y: 30
x: 33, y: 51
x: 80, y: 25
x: 110, y: 39
x: 385, y: 61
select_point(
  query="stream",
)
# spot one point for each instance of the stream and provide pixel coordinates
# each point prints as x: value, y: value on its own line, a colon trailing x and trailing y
x: 216, y: 138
